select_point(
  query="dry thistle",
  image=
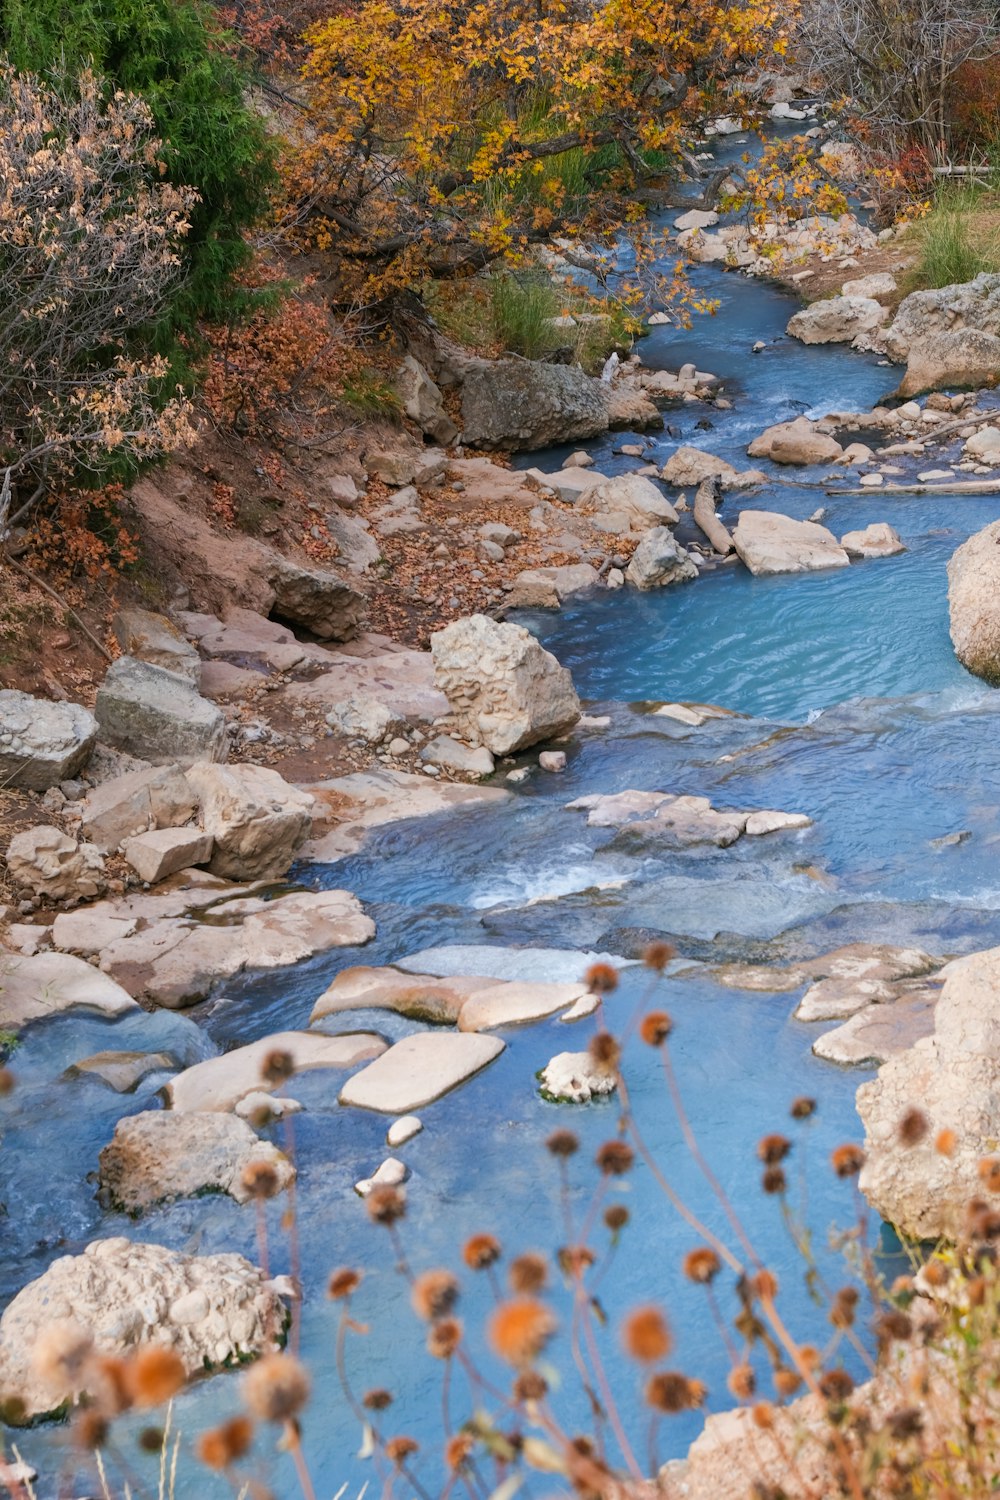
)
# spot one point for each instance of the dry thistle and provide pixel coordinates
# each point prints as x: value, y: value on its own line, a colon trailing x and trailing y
x: 946, y: 1143
x: 458, y: 1450
x: 519, y: 1330
x: 605, y: 1051
x: 433, y: 1295
x: 672, y: 1392
x: 563, y: 1143
x: 108, y: 1385
x: 773, y: 1180
x: 645, y: 1335
x: 835, y: 1386
x: 222, y: 1446
x: 386, y: 1205
x: 655, y: 1028
x: 7, y: 1082
x: 260, y: 1180
x: 893, y: 1326
x: 913, y: 1127
x: 601, y: 979
x: 481, y: 1251
x: 843, y: 1307
x: 657, y: 955
x: 90, y: 1429
x: 764, y: 1285
x: 530, y: 1386
x: 616, y: 1216
x: 702, y: 1265
x: 763, y: 1415
x: 615, y: 1158
x: 773, y: 1148
x: 376, y: 1399
x: 276, y: 1388
x: 742, y: 1382
x: 786, y: 1381
x: 278, y: 1067
x: 155, y: 1376
x: 399, y: 1449
x: 150, y: 1440
x: 343, y: 1283
x: 906, y: 1423
x: 575, y: 1260
x: 847, y: 1161
x: 444, y: 1337
x: 528, y: 1274
x: 802, y: 1107
x: 989, y: 1173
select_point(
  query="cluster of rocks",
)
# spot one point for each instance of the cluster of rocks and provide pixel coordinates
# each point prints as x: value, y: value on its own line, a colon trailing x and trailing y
x: 683, y: 820
x: 774, y: 244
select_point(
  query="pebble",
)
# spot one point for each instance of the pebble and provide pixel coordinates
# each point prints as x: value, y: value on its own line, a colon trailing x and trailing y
x: 431, y: 770
x: 521, y: 774
x: 552, y: 760
x: 403, y: 1130
x: 398, y: 746
x: 390, y: 1174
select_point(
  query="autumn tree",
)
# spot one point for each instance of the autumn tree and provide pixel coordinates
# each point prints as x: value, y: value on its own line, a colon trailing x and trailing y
x: 91, y: 250
x: 441, y: 135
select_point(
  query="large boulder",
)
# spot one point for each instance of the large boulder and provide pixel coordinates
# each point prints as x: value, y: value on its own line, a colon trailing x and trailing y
x: 837, y: 320
x: 953, y: 1077
x: 42, y: 743
x: 212, y: 1310
x: 524, y: 404
x: 546, y: 588
x: 157, y: 1156
x: 771, y: 543
x: 324, y: 602
x: 629, y: 502
x: 157, y: 715
x: 688, y: 465
x: 974, y: 602
x: 159, y: 797
x: 659, y: 559
x: 44, y: 861
x: 963, y: 358
x: 257, y: 819
x: 504, y: 689
x: 422, y: 402
x: 795, y: 442
x: 221, y: 1083
x: 965, y: 305
x: 152, y: 637
x: 877, y: 540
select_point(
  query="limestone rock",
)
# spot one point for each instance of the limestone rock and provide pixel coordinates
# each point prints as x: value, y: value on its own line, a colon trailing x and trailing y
x: 474, y: 1002
x: 974, y: 602
x: 159, y: 1155
x: 504, y: 689
x: 422, y: 402
x: 796, y: 442
x: 48, y: 984
x: 47, y: 862
x: 576, y: 1078
x: 443, y: 750
x: 963, y: 307
x: 767, y: 542
x: 362, y: 716
x: 326, y: 603
x: 837, y: 320
x: 659, y: 560
x: 546, y: 588
x: 858, y: 976
x: 403, y: 1130
x: 153, y: 638
x: 160, y: 797
x: 984, y: 445
x: 696, y: 218
x: 523, y: 404
x: 960, y: 359
x: 164, y: 851
x: 688, y: 465
x: 42, y: 743
x: 212, y: 1310
x: 256, y: 818
x: 122, y: 1071
x: 877, y: 284
x: 953, y: 1076
x: 877, y: 540
x: 418, y: 1070
x: 157, y: 715
x: 769, y: 821
x: 391, y: 1173
x: 220, y: 1083
x: 89, y: 929
x: 629, y: 499
x: 878, y: 1032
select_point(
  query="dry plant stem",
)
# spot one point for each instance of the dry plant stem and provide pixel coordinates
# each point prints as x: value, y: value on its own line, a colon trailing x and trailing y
x: 41, y: 584
x: 607, y: 1396
x: 294, y: 1252
x: 579, y: 1360
x: 341, y: 1364
x: 262, y: 1238
x: 298, y: 1458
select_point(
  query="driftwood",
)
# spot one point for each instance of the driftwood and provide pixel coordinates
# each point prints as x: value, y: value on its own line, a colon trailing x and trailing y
x: 958, y: 487
x: 705, y: 501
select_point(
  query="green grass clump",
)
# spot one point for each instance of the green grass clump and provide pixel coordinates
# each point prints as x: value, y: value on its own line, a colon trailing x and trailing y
x: 958, y: 239
x: 522, y: 311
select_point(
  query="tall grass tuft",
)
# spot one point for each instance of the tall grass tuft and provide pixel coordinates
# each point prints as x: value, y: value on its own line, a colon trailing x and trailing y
x: 521, y: 312
x: 958, y: 239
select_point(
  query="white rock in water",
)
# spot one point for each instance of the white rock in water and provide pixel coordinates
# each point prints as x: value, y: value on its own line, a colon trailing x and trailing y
x: 768, y: 542
x: 575, y: 1076
x: 419, y: 1069
x: 877, y: 540
x: 403, y: 1130
x: 768, y: 821
x: 392, y: 1173
x: 47, y: 984
x: 872, y: 481
x: 552, y: 760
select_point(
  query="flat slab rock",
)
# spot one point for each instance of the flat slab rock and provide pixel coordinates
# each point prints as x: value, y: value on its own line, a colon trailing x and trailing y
x: 351, y: 806
x: 219, y: 1083
x: 767, y: 542
x: 472, y: 1002
x: 418, y: 1070
x: 212, y: 1310
x: 535, y: 965
x: 851, y: 963
x: 50, y: 984
x: 873, y: 1035
x: 122, y: 1071
x: 686, y: 820
x: 159, y: 1155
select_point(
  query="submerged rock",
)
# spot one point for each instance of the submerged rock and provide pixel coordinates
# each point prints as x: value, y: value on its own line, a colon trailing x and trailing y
x: 796, y: 442
x: 159, y: 1155
x: 877, y: 540
x: 878, y: 1032
x: 42, y: 743
x: 974, y: 602
x: 504, y: 689
x: 211, y: 1310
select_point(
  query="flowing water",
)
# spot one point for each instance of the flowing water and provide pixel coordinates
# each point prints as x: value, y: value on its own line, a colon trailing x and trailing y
x: 850, y: 706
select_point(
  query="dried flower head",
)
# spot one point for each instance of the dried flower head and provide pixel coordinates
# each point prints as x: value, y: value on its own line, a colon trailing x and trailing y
x: 530, y: 1386
x: 386, y: 1205
x: 946, y: 1143
x: 260, y: 1180
x: 156, y: 1375
x: 276, y: 1388
x: 278, y: 1067
x: 976, y: 1290
x: 802, y: 1107
x: 847, y: 1161
x: 444, y: 1337
x: 481, y: 1251
x: 90, y: 1429
x: 376, y: 1399
x: 935, y: 1274
x: 108, y: 1385
x: 764, y: 1284
x: 616, y: 1216
x: 605, y: 1052
x: 433, y: 1295
x: 262, y: 1115
x: 894, y: 1326
x: 343, y: 1283
x: 615, y: 1158
x: 989, y: 1173
x: 528, y: 1274
x: 913, y: 1127
x: 655, y: 1028
x: 763, y: 1415
x: 786, y: 1381
x: 657, y: 955
x: 150, y: 1440
x: 458, y: 1450
x: 843, y: 1307
x: 601, y: 979
x: 702, y: 1265
x: 742, y: 1382
x: 670, y: 1391
x: 563, y: 1143
x: 520, y: 1328
x: 62, y: 1350
x: 773, y: 1148
x: 835, y: 1385
x: 906, y: 1423
x: 646, y: 1336
x: 773, y: 1180
x: 399, y: 1449
x: 225, y: 1445
x: 6, y: 1082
